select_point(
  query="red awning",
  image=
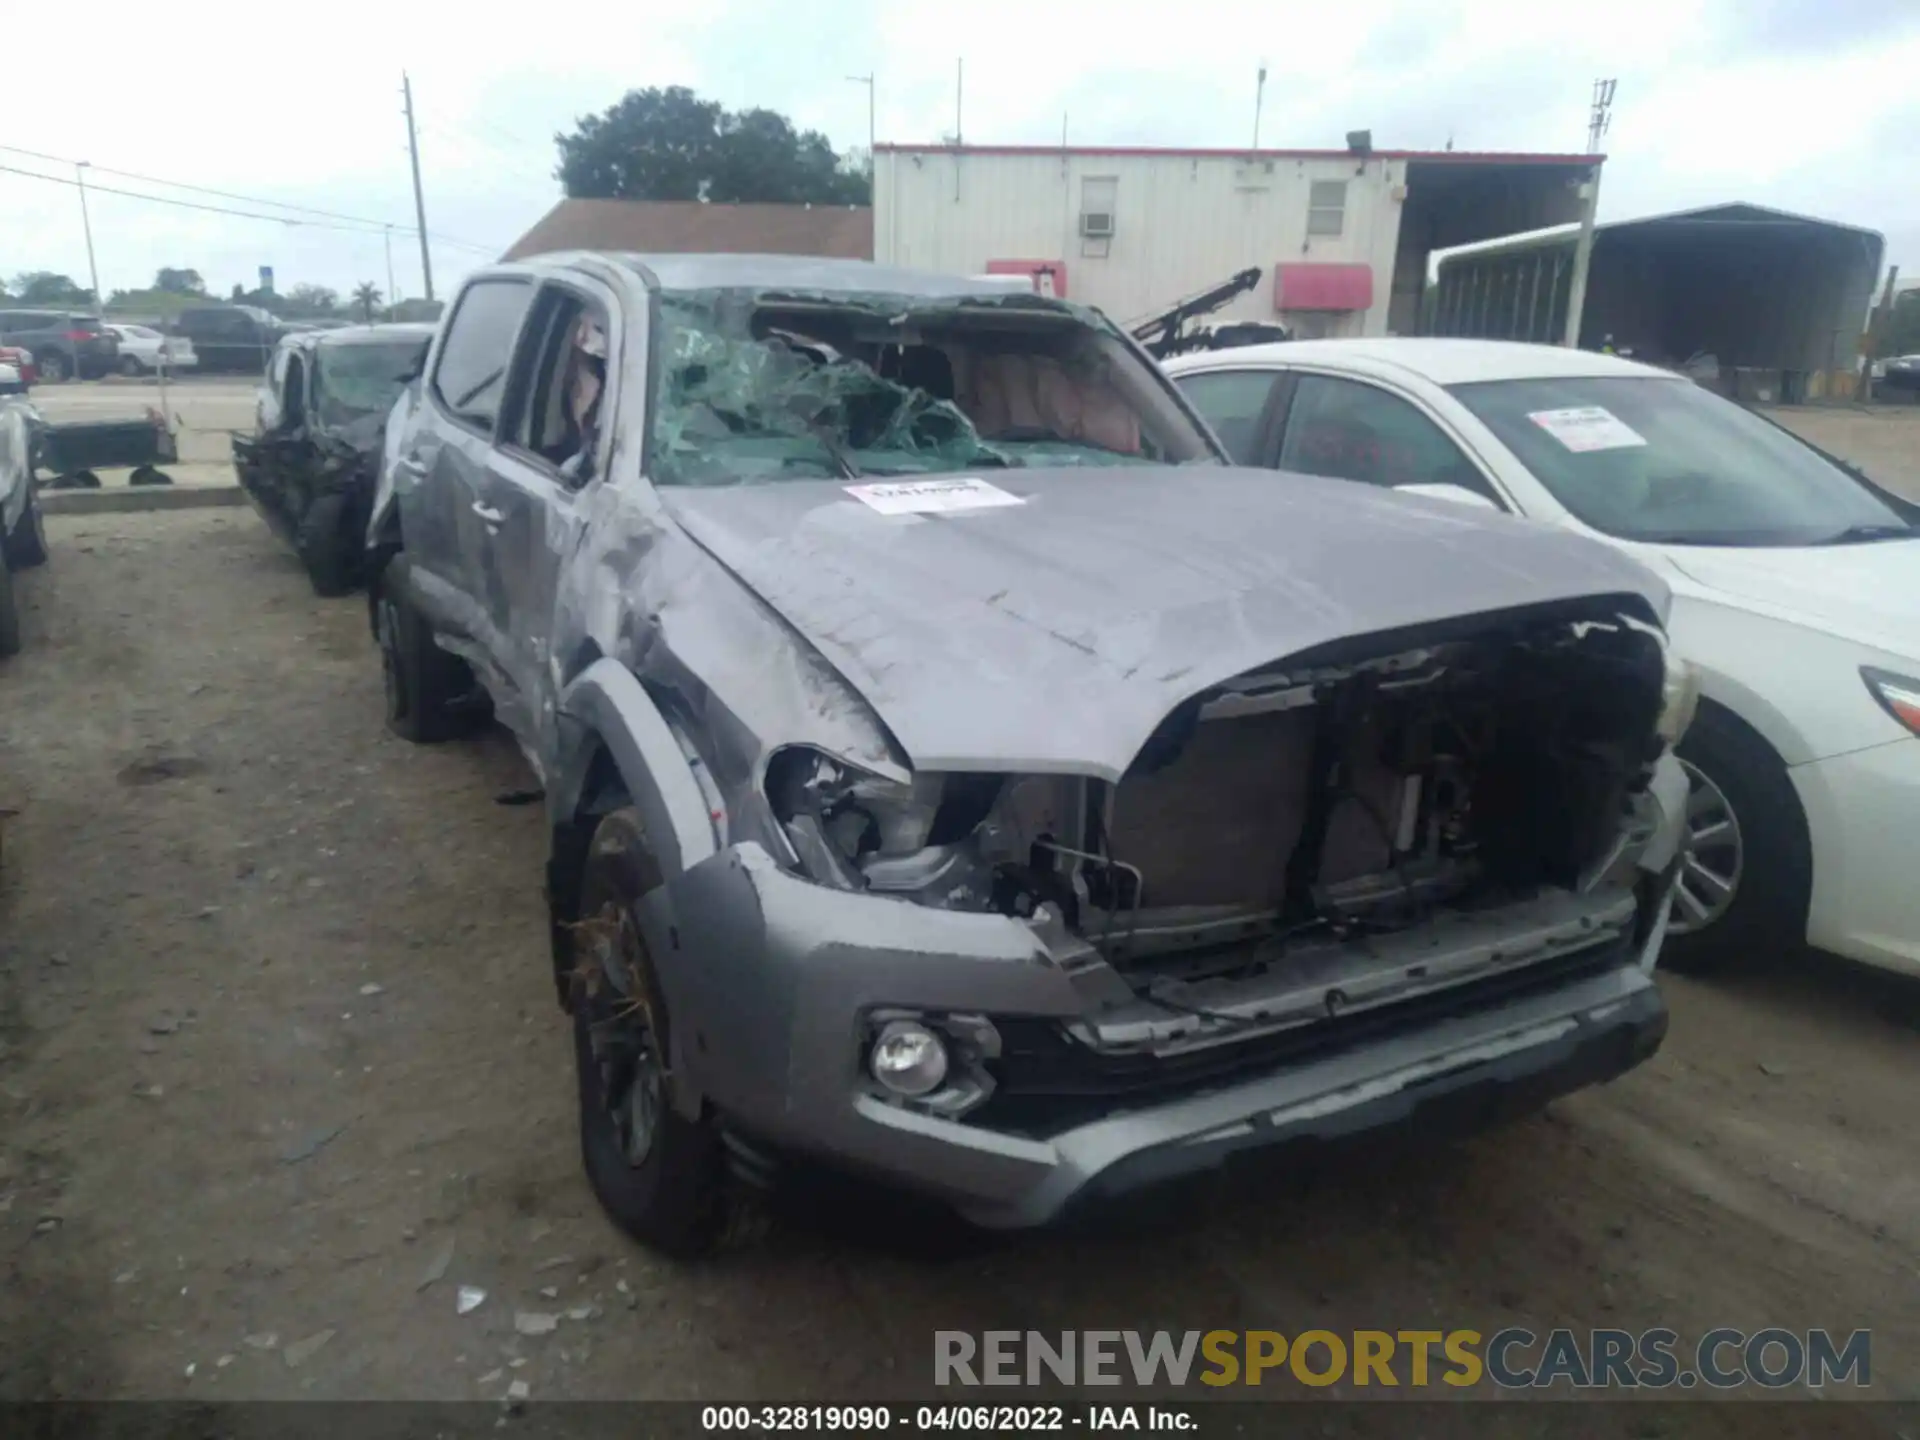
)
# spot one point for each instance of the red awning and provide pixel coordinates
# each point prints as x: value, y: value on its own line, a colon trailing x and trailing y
x: 1322, y: 287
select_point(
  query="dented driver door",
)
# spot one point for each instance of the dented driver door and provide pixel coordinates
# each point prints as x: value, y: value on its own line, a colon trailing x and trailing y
x: 538, y: 481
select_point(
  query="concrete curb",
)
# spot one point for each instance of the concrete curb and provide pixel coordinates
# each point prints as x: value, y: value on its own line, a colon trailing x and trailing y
x: 122, y: 499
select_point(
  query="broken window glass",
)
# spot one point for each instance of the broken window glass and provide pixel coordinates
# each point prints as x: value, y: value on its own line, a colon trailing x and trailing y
x: 354, y: 381
x: 754, y: 388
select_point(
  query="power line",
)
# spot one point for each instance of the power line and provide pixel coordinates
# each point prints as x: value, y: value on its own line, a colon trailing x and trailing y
x: 368, y: 226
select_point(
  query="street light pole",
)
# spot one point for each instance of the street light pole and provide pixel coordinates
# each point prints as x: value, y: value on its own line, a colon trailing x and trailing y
x: 867, y: 80
x: 86, y: 225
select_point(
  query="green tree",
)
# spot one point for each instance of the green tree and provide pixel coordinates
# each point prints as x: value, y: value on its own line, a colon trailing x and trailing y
x: 312, y: 301
x: 179, y: 282
x: 44, y: 287
x: 669, y: 144
x: 367, y: 296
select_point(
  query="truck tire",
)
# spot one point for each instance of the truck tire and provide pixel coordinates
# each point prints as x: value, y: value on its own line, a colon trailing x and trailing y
x: 424, y: 684
x: 1745, y: 887
x: 331, y: 558
x: 659, y: 1176
x: 9, y: 612
x: 26, y: 543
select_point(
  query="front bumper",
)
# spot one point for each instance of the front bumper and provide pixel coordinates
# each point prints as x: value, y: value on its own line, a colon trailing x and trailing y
x: 1859, y: 807
x: 768, y: 978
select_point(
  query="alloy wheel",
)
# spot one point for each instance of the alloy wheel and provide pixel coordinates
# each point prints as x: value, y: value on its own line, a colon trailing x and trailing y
x: 1710, y: 878
x: 633, y: 1080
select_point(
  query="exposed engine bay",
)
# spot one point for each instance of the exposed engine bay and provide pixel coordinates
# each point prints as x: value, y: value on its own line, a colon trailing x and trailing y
x: 1330, y: 834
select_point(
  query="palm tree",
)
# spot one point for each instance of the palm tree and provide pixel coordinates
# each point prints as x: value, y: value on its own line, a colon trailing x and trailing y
x: 366, y: 295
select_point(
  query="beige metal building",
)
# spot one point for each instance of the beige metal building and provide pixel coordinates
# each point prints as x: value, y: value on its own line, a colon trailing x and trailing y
x: 1342, y: 237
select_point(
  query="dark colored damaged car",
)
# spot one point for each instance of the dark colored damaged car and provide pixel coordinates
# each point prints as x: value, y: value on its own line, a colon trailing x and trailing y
x: 959, y: 774
x: 311, y: 465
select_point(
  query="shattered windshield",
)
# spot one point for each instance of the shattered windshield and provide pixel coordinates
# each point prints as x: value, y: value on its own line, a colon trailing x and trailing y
x: 754, y: 388
x: 354, y: 381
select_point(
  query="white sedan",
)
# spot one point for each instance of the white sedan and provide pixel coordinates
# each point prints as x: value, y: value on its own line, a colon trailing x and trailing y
x: 1795, y: 579
x: 144, y: 350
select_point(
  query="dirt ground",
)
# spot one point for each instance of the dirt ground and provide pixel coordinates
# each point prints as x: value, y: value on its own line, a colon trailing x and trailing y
x: 276, y: 1034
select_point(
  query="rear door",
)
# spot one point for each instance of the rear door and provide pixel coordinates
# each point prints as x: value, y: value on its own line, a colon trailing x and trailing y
x: 445, y: 521
x: 1351, y: 429
x: 552, y: 449
x: 1241, y: 406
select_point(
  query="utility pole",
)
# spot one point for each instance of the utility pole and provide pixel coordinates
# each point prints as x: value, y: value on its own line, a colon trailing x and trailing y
x: 393, y: 298
x: 86, y: 226
x: 959, y: 88
x: 1259, y: 94
x: 1582, y: 258
x: 419, y: 200
x: 867, y: 80
x: 1599, y: 121
x: 1600, y: 117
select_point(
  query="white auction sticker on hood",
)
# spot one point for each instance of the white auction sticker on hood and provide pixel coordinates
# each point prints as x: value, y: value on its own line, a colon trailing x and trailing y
x: 1587, y: 427
x: 932, y: 495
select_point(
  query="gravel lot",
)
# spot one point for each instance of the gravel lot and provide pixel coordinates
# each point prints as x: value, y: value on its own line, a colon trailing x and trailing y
x: 276, y: 1030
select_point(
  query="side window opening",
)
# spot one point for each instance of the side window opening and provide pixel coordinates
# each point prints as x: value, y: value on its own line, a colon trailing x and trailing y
x: 293, y: 402
x: 470, y: 374
x: 561, y: 387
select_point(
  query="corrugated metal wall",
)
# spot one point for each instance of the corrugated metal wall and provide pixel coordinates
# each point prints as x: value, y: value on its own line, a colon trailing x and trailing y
x: 1182, y: 223
x: 1782, y: 304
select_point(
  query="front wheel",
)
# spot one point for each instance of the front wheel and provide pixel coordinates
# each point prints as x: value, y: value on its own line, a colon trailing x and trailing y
x: 1746, y: 882
x: 658, y: 1175
x: 26, y: 543
x: 425, y: 686
x: 328, y: 547
x: 53, y: 367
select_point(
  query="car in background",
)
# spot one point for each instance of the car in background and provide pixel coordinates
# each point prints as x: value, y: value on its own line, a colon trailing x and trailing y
x: 956, y: 771
x: 64, y: 344
x: 229, y: 339
x: 145, y: 351
x: 23, y: 536
x: 1793, y: 578
x: 19, y: 360
x: 319, y: 421
x: 1898, y: 373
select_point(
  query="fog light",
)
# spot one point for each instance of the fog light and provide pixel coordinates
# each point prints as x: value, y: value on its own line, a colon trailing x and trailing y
x: 908, y: 1058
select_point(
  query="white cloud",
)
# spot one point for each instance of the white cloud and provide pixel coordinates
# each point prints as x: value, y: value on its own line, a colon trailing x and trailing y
x: 1793, y: 104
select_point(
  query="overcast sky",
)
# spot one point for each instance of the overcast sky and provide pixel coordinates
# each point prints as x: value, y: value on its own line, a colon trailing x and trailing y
x: 1806, y: 105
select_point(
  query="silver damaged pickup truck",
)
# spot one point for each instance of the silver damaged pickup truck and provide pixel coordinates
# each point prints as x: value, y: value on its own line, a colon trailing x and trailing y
x: 958, y: 773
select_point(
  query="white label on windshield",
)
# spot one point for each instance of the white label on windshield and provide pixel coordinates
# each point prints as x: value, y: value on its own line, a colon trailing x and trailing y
x: 1587, y: 427
x: 935, y: 495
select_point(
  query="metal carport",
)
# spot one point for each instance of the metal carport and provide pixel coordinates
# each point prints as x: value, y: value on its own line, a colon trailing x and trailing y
x: 1779, y: 299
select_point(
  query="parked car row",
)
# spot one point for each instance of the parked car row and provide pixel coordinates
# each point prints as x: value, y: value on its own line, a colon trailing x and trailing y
x: 978, y: 757
x: 65, y: 345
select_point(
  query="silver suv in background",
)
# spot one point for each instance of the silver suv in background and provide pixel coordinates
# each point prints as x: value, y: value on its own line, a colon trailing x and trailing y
x: 959, y: 773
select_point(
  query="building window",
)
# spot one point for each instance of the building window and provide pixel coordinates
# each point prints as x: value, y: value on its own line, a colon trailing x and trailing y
x: 1098, y: 196
x: 1327, y: 207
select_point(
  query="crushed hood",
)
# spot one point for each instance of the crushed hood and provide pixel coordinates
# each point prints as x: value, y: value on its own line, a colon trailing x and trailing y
x: 1055, y: 634
x: 1864, y: 593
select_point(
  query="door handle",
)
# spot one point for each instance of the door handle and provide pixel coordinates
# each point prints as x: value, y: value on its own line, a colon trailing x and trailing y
x: 492, y: 517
